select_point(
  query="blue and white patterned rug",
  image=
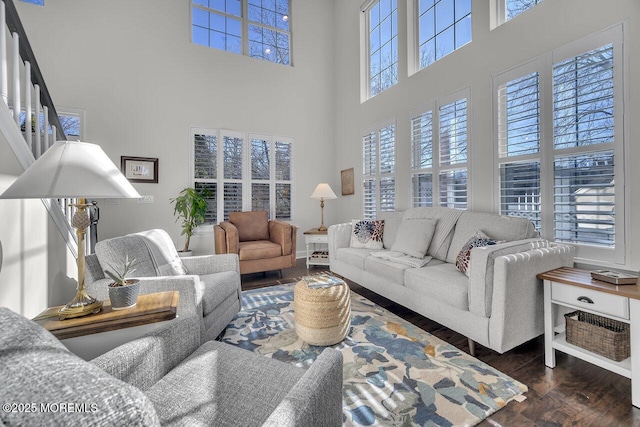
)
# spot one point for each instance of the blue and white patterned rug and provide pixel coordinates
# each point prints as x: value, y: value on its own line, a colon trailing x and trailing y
x: 395, y: 374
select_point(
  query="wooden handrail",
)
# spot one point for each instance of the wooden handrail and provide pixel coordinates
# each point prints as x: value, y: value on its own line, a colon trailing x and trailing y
x: 26, y: 53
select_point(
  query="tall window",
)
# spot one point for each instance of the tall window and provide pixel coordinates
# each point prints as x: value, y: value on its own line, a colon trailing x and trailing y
x: 260, y: 29
x: 443, y: 26
x: 378, y: 171
x: 441, y: 130
x: 567, y: 184
x: 243, y: 172
x: 382, y: 31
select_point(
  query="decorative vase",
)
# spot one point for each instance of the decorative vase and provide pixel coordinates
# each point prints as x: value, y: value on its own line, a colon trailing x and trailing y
x: 123, y: 297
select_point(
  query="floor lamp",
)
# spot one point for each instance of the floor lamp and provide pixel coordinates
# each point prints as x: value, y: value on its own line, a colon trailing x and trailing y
x: 71, y: 169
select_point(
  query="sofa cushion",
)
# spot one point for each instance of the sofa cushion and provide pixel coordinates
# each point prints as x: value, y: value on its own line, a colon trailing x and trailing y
x: 221, y: 385
x: 217, y: 288
x: 367, y: 233
x: 447, y: 219
x: 442, y: 282
x: 251, y: 225
x: 163, y: 252
x: 258, y: 249
x: 353, y: 256
x: 388, y: 270
x: 37, y: 369
x: 392, y: 221
x: 112, y: 252
x: 499, y: 227
x: 464, y: 256
x: 414, y: 236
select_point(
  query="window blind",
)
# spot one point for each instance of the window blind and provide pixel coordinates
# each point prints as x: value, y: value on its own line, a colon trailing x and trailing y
x: 453, y: 188
x: 453, y: 133
x: 520, y: 190
x: 422, y: 141
x: 519, y: 115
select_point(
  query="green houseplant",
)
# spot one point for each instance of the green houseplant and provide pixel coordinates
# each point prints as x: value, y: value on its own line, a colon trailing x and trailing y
x: 190, y: 207
x: 123, y: 291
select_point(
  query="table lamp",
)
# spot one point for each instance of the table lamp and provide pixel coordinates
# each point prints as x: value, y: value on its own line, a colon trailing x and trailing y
x: 73, y: 169
x: 323, y: 191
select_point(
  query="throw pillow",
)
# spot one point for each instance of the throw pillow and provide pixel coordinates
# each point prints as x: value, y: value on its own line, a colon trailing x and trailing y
x: 414, y: 237
x: 464, y: 256
x: 367, y: 233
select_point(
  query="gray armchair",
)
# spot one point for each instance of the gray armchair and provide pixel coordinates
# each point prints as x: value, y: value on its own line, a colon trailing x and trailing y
x: 209, y: 285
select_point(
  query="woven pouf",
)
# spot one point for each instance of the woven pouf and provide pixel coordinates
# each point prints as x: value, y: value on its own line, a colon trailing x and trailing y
x: 322, y: 315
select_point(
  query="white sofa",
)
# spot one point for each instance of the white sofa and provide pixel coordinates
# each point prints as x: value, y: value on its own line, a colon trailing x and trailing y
x: 500, y: 304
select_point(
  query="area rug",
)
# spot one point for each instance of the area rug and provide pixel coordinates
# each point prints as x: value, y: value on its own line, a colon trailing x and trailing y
x: 395, y: 374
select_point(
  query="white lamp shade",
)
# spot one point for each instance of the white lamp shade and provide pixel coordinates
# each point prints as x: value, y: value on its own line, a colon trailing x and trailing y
x: 323, y: 191
x: 71, y: 169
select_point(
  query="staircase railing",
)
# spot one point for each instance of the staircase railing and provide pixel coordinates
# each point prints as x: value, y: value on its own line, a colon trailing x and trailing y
x: 30, y: 138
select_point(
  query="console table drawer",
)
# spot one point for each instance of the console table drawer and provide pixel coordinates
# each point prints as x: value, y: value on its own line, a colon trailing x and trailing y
x: 601, y: 302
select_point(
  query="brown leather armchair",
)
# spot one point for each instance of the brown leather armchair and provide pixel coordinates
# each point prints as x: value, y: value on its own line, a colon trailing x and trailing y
x: 261, y: 244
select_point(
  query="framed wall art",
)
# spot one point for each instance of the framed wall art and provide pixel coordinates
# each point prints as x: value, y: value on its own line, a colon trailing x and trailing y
x: 140, y: 169
x: 346, y: 178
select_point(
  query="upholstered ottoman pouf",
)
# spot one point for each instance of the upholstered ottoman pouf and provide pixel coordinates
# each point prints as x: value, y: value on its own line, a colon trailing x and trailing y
x: 322, y: 315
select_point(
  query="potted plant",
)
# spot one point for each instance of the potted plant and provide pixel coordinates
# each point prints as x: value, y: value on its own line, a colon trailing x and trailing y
x: 123, y: 292
x: 190, y: 207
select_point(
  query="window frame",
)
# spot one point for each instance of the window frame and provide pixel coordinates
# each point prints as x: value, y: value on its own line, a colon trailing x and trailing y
x: 245, y: 23
x: 499, y: 12
x: 246, y: 181
x: 366, y: 48
x: 597, y: 255
x: 377, y: 176
x: 437, y: 168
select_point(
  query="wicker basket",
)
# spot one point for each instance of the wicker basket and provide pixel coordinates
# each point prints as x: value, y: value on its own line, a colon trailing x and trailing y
x: 601, y: 335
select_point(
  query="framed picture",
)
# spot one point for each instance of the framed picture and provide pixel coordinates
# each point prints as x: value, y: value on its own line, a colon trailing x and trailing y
x: 346, y: 177
x: 140, y: 169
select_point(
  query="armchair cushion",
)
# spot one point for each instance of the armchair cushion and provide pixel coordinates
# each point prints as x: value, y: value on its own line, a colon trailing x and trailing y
x: 252, y: 225
x: 259, y: 249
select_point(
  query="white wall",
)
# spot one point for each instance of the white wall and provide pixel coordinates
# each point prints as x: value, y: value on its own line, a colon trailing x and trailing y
x: 549, y: 25
x: 131, y: 67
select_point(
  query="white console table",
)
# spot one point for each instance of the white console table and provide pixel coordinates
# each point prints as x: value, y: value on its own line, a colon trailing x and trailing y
x: 574, y: 288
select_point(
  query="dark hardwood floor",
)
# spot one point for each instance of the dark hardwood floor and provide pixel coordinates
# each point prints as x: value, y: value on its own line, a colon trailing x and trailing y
x: 574, y: 393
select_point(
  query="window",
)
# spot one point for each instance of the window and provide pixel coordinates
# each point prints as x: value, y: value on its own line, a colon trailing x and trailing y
x: 504, y: 10
x: 256, y: 28
x: 443, y: 26
x: 241, y: 172
x: 38, y: 2
x: 446, y: 175
x: 568, y: 184
x: 378, y: 171
x: 516, y: 7
x: 382, y: 36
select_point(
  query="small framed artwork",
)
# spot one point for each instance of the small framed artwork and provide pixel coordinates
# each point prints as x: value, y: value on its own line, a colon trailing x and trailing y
x: 346, y: 177
x: 140, y: 169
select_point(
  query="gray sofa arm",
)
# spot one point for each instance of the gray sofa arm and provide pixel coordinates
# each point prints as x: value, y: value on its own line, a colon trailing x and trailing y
x: 315, y: 400
x: 517, y: 306
x: 145, y: 360
x: 338, y: 236
x: 209, y: 264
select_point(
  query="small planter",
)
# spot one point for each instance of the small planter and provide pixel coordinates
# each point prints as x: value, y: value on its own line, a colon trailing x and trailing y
x: 126, y: 296
x: 185, y: 254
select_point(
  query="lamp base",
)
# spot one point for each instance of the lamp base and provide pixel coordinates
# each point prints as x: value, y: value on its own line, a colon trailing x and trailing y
x: 322, y: 228
x: 81, y: 305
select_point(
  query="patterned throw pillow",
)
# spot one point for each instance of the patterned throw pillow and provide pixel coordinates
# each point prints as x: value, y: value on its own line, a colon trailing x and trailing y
x: 367, y: 233
x: 464, y: 256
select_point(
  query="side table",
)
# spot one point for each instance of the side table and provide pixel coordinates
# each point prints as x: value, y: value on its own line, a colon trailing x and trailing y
x: 95, y: 334
x: 312, y: 238
x: 575, y: 289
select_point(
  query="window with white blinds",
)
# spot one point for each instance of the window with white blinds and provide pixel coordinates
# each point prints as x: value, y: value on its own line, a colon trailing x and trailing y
x: 378, y: 171
x: 566, y: 184
x: 245, y: 172
x: 382, y: 44
x: 447, y: 175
